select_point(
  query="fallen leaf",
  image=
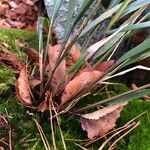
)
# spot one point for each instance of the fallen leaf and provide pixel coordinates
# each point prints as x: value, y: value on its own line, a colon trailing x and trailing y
x: 21, y: 9
x: 103, y: 66
x: 15, y: 24
x: 29, y: 2
x: 72, y: 57
x: 20, y: 14
x: 53, y: 53
x: 2, y: 22
x: 22, y: 88
x: 101, y: 121
x: 85, y: 78
x: 32, y: 54
x: 11, y: 60
x: 22, y: 83
x: 43, y: 106
x: 34, y: 81
x: 13, y: 4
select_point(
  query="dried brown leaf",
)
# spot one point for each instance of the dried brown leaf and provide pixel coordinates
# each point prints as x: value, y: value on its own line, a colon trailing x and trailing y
x: 11, y: 60
x: 73, y: 56
x: 53, y: 53
x: 15, y: 24
x: 34, y: 82
x: 32, y: 54
x: 43, y: 106
x: 101, y: 121
x: 22, y: 88
x: 85, y: 78
x: 103, y: 66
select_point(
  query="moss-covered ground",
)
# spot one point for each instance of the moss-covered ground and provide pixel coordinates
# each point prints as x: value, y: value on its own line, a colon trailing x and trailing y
x: 25, y: 134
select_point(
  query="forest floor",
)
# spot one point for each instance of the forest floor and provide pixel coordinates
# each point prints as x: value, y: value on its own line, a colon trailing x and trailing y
x: 17, y: 123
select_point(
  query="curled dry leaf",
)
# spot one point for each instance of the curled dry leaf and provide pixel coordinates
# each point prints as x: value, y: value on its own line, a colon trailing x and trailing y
x: 53, y: 53
x: 32, y: 54
x: 101, y: 121
x: 22, y: 88
x: 103, y: 66
x: 34, y: 81
x: 85, y: 78
x: 72, y: 57
x: 43, y: 106
x: 22, y: 83
x: 11, y: 60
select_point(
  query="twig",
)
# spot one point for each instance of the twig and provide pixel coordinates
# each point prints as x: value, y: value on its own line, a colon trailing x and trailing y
x: 115, y: 135
x: 136, y: 125
x: 51, y: 122
x: 43, y: 137
x: 10, y: 140
x: 62, y: 137
x: 80, y: 146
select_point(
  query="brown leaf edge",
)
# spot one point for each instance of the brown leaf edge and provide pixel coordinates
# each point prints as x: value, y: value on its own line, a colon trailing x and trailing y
x: 32, y: 54
x: 101, y: 121
x: 86, y: 77
x: 22, y: 88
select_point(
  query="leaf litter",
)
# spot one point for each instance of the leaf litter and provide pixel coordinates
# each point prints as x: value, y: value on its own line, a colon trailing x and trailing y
x: 96, y: 123
x: 101, y: 121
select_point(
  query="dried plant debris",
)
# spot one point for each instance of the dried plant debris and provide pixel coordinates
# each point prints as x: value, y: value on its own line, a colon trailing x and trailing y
x: 3, y: 122
x: 73, y: 56
x: 32, y: 54
x: 86, y: 77
x: 70, y: 85
x: 11, y: 60
x: 101, y: 121
x: 53, y: 53
x: 22, y: 88
x: 19, y: 14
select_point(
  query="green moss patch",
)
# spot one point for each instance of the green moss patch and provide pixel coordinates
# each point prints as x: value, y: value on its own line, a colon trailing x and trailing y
x: 139, y: 138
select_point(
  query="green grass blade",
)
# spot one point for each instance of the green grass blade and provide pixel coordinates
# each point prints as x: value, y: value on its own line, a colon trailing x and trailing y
x: 137, y: 58
x: 40, y: 33
x: 101, y: 18
x: 130, y: 96
x: 136, y: 26
x: 41, y: 50
x: 46, y: 24
x: 125, y: 97
x: 134, y: 6
x: 94, y: 48
x: 84, y: 8
x: 71, y: 9
x: 108, y: 45
x: 118, y: 14
x: 120, y: 35
x: 135, y: 51
x: 77, y: 65
x: 57, y: 4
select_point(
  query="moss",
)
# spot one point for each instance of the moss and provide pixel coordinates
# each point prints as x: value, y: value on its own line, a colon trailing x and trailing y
x: 10, y: 35
x: 139, y: 138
